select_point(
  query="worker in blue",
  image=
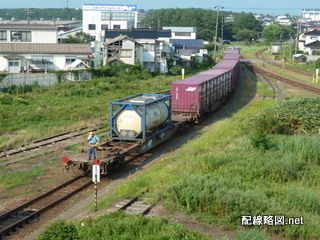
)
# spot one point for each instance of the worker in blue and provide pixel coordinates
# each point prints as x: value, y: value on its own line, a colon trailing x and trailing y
x: 93, y: 141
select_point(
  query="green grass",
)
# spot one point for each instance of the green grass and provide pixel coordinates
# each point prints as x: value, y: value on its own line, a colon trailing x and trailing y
x: 265, y: 90
x: 32, y: 112
x: 221, y: 176
x: 10, y: 179
x: 121, y: 227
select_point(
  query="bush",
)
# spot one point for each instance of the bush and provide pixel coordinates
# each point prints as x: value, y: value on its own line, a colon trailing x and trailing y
x: 60, y: 230
x: 121, y: 227
x: 6, y: 98
x: 318, y: 63
x: 300, y: 115
x: 260, y: 140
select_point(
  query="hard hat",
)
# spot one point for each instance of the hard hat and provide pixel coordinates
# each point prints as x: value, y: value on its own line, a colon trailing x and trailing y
x: 91, y: 134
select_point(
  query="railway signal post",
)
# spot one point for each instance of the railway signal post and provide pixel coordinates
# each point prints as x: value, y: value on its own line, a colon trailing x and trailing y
x: 96, y: 179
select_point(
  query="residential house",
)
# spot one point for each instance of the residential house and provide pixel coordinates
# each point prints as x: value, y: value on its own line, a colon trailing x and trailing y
x: 122, y: 49
x: 182, y: 32
x: 190, y: 48
x: 307, y: 41
x: 156, y: 47
x: 313, y: 48
x: 28, y: 33
x: 41, y: 57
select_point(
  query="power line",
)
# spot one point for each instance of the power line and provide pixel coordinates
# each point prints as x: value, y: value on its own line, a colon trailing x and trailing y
x: 271, y: 9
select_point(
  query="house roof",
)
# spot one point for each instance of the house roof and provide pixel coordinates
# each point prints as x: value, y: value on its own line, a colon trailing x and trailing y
x: 138, y: 33
x: 188, y: 43
x: 314, y: 45
x: 314, y: 32
x: 29, y: 26
x: 299, y: 56
x: 119, y: 38
x: 44, y: 48
x: 180, y: 29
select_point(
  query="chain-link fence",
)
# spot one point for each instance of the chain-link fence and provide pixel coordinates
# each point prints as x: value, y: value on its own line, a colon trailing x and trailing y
x: 43, y: 79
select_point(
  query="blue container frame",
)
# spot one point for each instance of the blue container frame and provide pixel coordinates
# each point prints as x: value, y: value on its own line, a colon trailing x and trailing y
x: 144, y: 135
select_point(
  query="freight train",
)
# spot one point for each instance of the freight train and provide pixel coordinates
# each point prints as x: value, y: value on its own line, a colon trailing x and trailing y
x: 139, y: 123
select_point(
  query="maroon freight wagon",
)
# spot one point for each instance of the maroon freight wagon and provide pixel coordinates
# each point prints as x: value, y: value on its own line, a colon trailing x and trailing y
x: 206, y: 91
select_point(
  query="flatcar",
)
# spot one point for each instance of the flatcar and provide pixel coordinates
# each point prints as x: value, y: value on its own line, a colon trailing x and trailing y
x: 139, y: 123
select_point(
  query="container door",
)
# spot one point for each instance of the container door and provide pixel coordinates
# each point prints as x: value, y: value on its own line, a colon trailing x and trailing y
x: 14, y: 66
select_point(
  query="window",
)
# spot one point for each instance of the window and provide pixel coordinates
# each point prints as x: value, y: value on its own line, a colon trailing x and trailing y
x: 116, y: 26
x: 126, y: 53
x: 20, y: 36
x: 120, y: 16
x: 148, y: 47
x: 149, y: 65
x: 3, y: 36
x: 92, y: 27
x: 70, y: 60
x: 104, y: 26
x: 183, y: 34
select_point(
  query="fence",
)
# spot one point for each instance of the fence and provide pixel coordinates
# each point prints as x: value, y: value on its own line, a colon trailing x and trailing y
x: 42, y: 79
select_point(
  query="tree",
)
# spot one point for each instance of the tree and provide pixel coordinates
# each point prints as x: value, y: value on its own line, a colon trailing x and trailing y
x: 80, y: 37
x: 275, y: 32
x: 247, y: 21
x: 205, y: 34
x: 245, y: 35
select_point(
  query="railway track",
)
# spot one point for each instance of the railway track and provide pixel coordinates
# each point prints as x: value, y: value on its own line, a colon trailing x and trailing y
x: 22, y: 215
x: 263, y: 79
x: 6, y: 154
x: 263, y: 72
x: 136, y: 205
x: 259, y: 55
x: 293, y: 83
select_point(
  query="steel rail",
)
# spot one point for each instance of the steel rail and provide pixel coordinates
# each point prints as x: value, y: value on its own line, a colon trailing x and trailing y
x: 21, y: 215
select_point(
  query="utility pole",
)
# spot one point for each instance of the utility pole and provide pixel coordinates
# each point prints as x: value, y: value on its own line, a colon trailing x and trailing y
x: 297, y: 38
x: 216, y: 35
x: 222, y: 25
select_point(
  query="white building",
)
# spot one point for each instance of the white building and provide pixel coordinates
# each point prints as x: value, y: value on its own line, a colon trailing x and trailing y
x: 41, y: 57
x: 283, y: 20
x: 312, y: 14
x: 182, y: 32
x: 307, y: 38
x: 97, y: 18
x: 28, y: 33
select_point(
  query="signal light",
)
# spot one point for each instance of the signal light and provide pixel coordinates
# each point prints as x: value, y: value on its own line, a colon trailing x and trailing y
x: 97, y: 162
x: 65, y: 160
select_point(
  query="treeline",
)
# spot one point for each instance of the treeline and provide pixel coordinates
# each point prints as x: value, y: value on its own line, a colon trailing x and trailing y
x: 245, y: 26
x: 204, y: 20
x: 38, y: 13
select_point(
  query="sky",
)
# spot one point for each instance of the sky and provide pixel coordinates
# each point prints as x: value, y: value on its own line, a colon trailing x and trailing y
x: 273, y: 7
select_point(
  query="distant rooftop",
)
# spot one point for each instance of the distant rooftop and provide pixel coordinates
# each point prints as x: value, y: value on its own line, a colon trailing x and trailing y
x: 141, y: 33
x: 28, y: 26
x: 180, y: 29
x: 44, y: 48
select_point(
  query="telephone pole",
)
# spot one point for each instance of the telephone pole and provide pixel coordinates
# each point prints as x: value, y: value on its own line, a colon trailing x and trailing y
x: 216, y: 35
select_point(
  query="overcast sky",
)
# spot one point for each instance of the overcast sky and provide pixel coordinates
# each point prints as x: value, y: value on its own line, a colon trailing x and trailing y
x: 274, y: 7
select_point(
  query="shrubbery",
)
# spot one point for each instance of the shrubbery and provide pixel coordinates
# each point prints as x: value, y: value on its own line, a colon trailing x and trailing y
x: 299, y: 115
x: 121, y: 227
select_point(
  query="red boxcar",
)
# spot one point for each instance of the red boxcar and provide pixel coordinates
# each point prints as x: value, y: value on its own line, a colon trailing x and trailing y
x: 206, y: 91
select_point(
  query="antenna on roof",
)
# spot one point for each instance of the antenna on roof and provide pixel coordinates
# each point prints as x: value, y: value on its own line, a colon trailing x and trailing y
x: 28, y: 12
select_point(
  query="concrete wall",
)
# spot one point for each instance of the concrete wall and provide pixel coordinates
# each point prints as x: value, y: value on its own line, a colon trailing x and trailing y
x: 48, y: 36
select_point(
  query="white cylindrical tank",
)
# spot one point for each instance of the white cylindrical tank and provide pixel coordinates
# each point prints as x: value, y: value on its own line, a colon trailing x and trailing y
x: 156, y: 114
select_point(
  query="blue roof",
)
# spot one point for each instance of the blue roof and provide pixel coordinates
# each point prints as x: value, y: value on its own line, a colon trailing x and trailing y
x: 188, y: 43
